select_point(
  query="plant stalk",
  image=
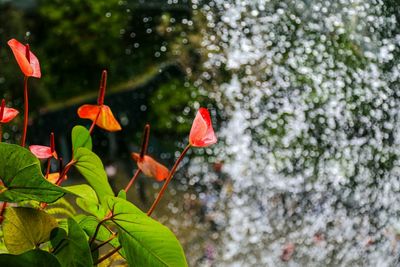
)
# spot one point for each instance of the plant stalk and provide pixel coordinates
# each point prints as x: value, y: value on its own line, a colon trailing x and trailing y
x: 171, y: 174
x: 94, y: 122
x: 104, y: 243
x: 109, y: 254
x: 26, y: 112
x: 132, y: 180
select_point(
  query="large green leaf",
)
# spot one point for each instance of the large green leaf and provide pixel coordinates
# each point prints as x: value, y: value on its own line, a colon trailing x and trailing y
x: 91, y: 167
x: 26, y: 228
x: 80, y: 138
x: 83, y: 191
x: 72, y: 248
x: 89, y: 224
x: 32, y: 258
x: 146, y: 242
x: 22, y: 177
x: 91, y: 207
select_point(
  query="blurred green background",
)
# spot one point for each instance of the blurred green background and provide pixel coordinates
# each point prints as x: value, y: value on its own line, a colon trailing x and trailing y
x: 151, y: 45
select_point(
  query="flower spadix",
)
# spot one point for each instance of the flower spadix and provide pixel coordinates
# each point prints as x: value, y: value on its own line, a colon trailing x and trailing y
x: 100, y: 114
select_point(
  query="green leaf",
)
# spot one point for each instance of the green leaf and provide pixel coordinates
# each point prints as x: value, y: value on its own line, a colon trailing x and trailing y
x: 32, y: 258
x: 91, y: 167
x: 91, y: 207
x: 89, y: 224
x: 122, y: 194
x: 83, y: 191
x: 146, y: 242
x: 80, y: 138
x: 22, y: 177
x: 72, y: 249
x: 26, y: 228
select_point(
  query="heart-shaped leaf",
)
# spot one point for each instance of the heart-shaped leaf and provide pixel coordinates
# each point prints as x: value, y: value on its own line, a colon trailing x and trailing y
x: 32, y: 258
x: 26, y: 228
x: 80, y: 138
x: 72, y: 248
x: 83, y: 191
x: 22, y: 177
x: 146, y: 242
x: 91, y: 167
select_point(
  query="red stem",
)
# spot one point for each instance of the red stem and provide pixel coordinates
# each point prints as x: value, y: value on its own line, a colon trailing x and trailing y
x: 27, y: 53
x: 102, y: 89
x: 109, y: 254
x: 145, y: 141
x: 48, y: 168
x: 94, y: 122
x: 26, y: 107
x: 171, y: 174
x: 3, y: 104
x: 132, y: 180
x: 104, y: 243
x: 52, y: 144
x: 3, y: 209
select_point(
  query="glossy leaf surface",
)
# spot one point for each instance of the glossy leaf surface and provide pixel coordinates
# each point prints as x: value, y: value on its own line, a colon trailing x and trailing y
x: 80, y: 138
x: 32, y: 258
x: 26, y: 228
x: 72, y: 248
x: 92, y: 169
x: 146, y: 242
x: 22, y: 177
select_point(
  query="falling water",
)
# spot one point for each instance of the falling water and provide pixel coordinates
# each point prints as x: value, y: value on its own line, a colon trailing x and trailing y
x: 312, y: 145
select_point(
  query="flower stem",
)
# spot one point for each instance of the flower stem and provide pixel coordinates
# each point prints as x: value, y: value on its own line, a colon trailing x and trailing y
x: 132, y: 180
x: 109, y: 254
x: 105, y: 242
x: 102, y: 89
x: 3, y: 209
x: 48, y: 168
x: 94, y: 122
x: 26, y: 107
x: 98, y: 228
x: 1, y: 132
x: 145, y: 141
x: 169, y: 178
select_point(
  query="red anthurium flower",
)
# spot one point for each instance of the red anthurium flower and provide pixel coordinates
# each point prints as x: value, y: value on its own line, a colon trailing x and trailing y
x: 7, y: 114
x: 151, y: 167
x: 202, y: 133
x: 26, y: 60
x: 100, y: 114
x: 44, y: 152
x: 41, y: 152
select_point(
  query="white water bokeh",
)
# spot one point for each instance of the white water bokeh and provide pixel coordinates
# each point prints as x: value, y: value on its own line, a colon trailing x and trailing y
x: 312, y: 143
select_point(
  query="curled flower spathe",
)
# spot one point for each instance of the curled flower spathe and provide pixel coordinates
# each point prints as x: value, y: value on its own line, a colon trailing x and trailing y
x: 202, y: 133
x: 27, y: 61
x: 7, y: 114
x: 100, y: 114
x: 151, y: 167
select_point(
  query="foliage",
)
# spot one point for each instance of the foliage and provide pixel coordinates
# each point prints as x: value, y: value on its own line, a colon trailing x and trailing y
x: 39, y: 234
